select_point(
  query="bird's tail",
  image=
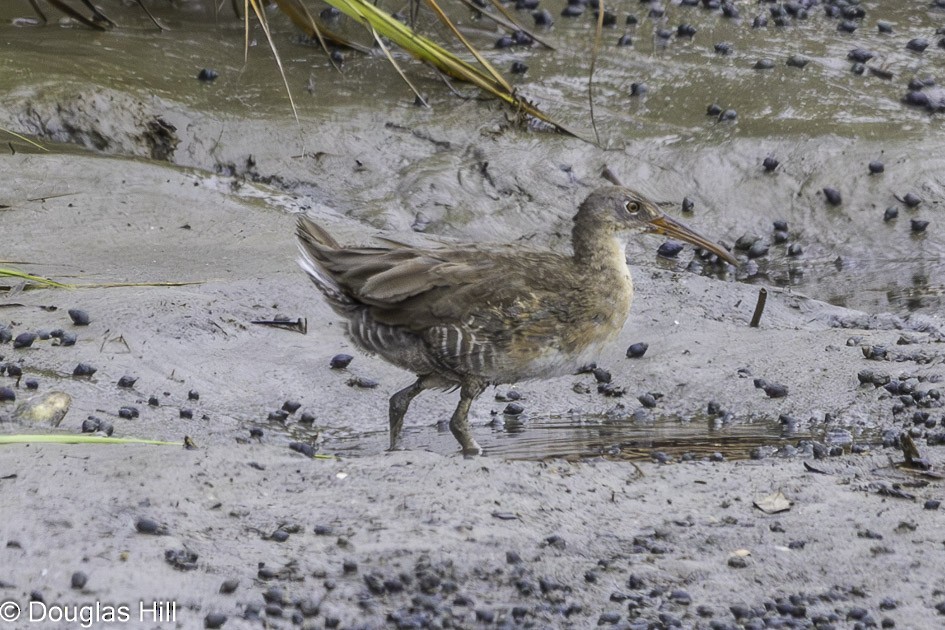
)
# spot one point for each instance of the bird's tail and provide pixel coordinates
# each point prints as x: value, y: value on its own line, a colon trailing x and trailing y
x: 314, y: 244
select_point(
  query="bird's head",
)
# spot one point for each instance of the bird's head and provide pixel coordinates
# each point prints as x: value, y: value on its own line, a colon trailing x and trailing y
x: 623, y: 210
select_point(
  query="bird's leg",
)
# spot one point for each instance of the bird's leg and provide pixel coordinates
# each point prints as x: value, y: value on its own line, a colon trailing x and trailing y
x: 459, y: 423
x: 398, y: 409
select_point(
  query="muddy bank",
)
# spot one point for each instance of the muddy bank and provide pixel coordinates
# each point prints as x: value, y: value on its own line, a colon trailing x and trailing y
x: 405, y: 539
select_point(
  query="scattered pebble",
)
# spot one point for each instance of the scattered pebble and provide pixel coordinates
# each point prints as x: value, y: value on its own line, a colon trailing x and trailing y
x: 340, y: 361
x: 186, y: 413
x: 770, y: 164
x: 669, y: 249
x: 79, y: 317
x: 890, y: 213
x: 193, y: 395
x: 912, y: 200
x: 84, y: 369
x: 833, y: 196
x: 24, y: 340
x: 919, y: 44
x: 876, y: 167
x: 214, y: 620
x: 797, y: 61
x: 625, y: 40
x: 207, y: 75
x: 127, y: 381
x: 79, y: 580
x: 145, y: 525
x: 363, y: 382
x: 637, y: 350
x: 7, y: 394
x: 918, y: 225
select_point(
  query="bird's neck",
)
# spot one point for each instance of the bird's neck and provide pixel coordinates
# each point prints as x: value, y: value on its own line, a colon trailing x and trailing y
x: 597, y: 248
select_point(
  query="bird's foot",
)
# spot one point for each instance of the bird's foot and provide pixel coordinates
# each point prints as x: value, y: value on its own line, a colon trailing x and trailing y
x: 472, y: 450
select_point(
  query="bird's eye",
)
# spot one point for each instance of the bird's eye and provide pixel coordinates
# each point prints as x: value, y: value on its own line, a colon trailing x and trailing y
x: 633, y: 207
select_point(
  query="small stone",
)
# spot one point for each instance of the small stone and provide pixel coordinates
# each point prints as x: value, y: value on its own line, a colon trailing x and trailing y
x: 638, y: 89
x: 770, y: 164
x: 31, y: 383
x: 713, y: 110
x: 572, y: 10
x: 685, y: 30
x: 918, y: 44
x: 513, y: 409
x: 775, y: 390
x: 669, y: 249
x: 280, y: 535
x: 207, y: 75
x: 340, y: 361
x: 687, y: 205
x: 647, y: 400
x: 78, y: 580
x: 145, y: 525
x: 602, y: 375
x: 890, y: 214
x: 128, y: 412
x: 214, y: 620
x: 797, y: 61
x: 728, y: 114
x: 517, y: 67
x: 912, y: 200
x: 608, y: 618
x: 625, y: 40
x: 127, y: 381
x: 542, y: 18
x: 193, y: 395
x: 637, y: 350
x: 291, y: 406
x: 833, y: 196
x: 153, y: 401
x: 24, y: 340
x: 860, y: 55
x: 738, y: 562
x: 884, y: 27
x: 876, y: 167
x: 306, y: 418
x: 83, y: 369
x: 932, y: 504
x: 847, y: 26
x: 918, y: 225
x: 79, y: 317
x: 186, y: 413
x: 765, y: 64
x: 724, y: 48
x: 305, y: 449
x: 7, y: 394
x: 67, y: 339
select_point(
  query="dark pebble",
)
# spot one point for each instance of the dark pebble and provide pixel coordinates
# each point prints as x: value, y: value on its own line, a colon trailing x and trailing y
x: 363, y: 382
x: 918, y: 44
x: 632, y: 20
x: 833, y: 196
x: 884, y: 27
x: 181, y: 559
x: 31, y: 383
x: 79, y: 317
x: 657, y: 12
x: 207, y: 75
x: 758, y: 249
x: 337, y: 56
x: 83, y: 369
x: 738, y: 562
x: 764, y: 64
x: 713, y: 110
x: 572, y: 10
x: 770, y: 164
x: 555, y: 541
x: 279, y: 415
x: 602, y: 375
x: 145, y: 525
x: 919, y: 99
x: 664, y: 33
x: 512, y: 557
x: 13, y: 371
x: 728, y: 114
x: 306, y: 418
x: 128, y: 412
x: 847, y: 26
x: 127, y: 381
x: 542, y: 18
x: 526, y: 5
x: 638, y: 89
x: 730, y: 11
x: 637, y: 350
x: 932, y: 504
x: 256, y: 433
x: 647, y: 400
x: 79, y: 579
x: 685, y: 30
x: 912, y: 200
x: 681, y: 597
x: 858, y: 68
x: 280, y: 535
x: 669, y: 249
x: 611, y: 390
x: 610, y: 18
x: 153, y: 401
x: 518, y: 67
x: 305, y: 449
x: 890, y: 214
x: 186, y: 413
x: 775, y: 390
x: 67, y: 339
x: 214, y: 620
x: 779, y: 236
x: 687, y: 205
x: 329, y: 13
x: 504, y: 42
x: 340, y: 361
x: 918, y: 225
x: 323, y: 530
x: 760, y: 21
x: 860, y: 55
x: 24, y: 340
x: 876, y: 167
x: 43, y: 335
x: 521, y: 38
x: 291, y: 406
x: 7, y: 394
x: 797, y: 61
x: 724, y: 48
x: 625, y: 40
x: 193, y: 395
x: 513, y: 409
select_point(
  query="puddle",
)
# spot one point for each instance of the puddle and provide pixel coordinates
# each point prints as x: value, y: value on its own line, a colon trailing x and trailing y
x: 594, y: 436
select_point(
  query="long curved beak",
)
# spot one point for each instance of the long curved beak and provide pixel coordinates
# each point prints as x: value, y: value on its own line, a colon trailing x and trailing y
x: 671, y: 227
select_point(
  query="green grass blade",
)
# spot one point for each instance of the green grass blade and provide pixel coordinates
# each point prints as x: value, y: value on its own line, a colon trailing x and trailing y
x: 28, y: 277
x: 58, y: 438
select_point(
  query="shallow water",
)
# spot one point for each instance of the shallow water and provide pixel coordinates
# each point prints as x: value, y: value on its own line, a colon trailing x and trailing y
x: 823, y: 122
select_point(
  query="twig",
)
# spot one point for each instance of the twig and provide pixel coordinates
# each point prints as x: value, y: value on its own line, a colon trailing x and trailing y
x: 759, y: 307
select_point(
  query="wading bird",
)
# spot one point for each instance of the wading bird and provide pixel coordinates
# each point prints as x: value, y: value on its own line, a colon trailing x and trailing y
x: 473, y: 315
